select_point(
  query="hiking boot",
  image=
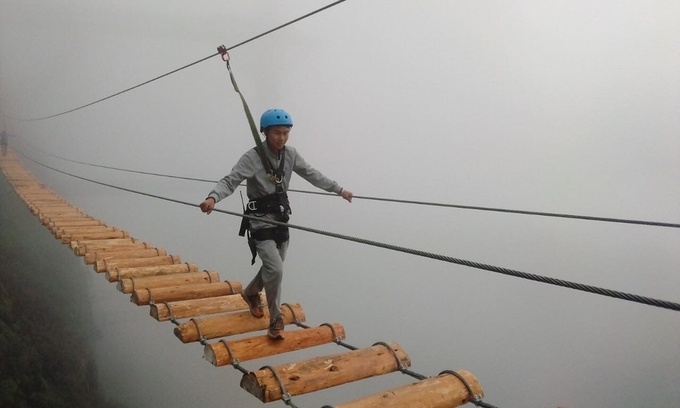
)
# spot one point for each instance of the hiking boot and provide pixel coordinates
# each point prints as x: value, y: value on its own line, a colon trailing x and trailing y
x: 254, y: 304
x: 275, y: 331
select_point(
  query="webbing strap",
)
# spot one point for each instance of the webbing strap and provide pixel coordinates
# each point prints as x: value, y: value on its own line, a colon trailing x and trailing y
x: 259, y: 146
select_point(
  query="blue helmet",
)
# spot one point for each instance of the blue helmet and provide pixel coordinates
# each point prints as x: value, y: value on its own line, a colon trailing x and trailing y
x: 275, y: 117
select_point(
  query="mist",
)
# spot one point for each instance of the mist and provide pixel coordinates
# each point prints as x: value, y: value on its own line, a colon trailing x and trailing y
x: 568, y: 107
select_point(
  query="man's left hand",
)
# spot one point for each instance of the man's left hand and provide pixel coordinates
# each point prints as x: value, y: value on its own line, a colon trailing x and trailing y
x: 347, y: 195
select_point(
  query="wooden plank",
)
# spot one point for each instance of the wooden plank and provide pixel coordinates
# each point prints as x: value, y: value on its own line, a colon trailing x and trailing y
x: 61, y: 232
x: 163, y: 281
x: 145, y: 296
x: 183, y: 309
x: 142, y: 271
x: 62, y: 214
x: 443, y: 391
x: 93, y: 257
x: 233, y: 323
x: 218, y: 353
x: 55, y: 210
x: 56, y: 206
x: 95, y: 235
x: 83, y: 250
x: 104, y: 265
x: 324, y: 372
x: 78, y: 222
x: 114, y: 241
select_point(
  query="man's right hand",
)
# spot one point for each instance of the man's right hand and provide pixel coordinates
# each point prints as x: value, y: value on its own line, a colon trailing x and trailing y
x: 207, y: 205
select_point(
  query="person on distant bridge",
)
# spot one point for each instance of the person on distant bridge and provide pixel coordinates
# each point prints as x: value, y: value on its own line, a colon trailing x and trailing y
x: 267, y: 170
x: 3, y: 142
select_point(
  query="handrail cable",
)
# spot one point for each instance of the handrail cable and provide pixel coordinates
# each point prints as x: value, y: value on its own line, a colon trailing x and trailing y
x: 401, y: 201
x: 188, y: 65
x: 504, y: 271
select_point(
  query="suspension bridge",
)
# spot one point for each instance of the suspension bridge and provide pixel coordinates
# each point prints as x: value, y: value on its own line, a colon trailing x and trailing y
x: 206, y: 308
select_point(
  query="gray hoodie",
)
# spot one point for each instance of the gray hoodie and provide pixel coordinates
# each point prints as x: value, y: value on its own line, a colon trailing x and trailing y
x: 250, y: 168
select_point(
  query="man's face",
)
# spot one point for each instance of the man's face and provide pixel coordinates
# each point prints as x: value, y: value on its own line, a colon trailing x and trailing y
x: 277, y: 136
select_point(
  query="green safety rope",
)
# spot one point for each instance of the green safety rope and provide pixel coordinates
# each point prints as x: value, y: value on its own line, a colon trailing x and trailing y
x: 259, y: 146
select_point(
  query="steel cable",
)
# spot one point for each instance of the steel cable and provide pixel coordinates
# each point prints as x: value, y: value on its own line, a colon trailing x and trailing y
x: 401, y: 201
x: 185, y: 66
x: 444, y: 258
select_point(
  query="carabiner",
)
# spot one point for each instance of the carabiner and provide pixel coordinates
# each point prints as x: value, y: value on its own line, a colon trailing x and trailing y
x: 223, y: 52
x: 274, y: 178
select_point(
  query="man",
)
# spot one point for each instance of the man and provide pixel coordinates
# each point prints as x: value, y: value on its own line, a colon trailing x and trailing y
x: 267, y: 169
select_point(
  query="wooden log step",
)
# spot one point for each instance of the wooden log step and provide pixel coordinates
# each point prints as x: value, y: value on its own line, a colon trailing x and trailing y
x: 36, y: 187
x: 233, y: 323
x: 183, y: 309
x: 51, y: 206
x: 173, y: 293
x: 77, y: 222
x: 83, y: 250
x: 443, y: 391
x: 36, y: 203
x: 45, y: 220
x: 324, y: 372
x: 142, y: 271
x: 114, y: 241
x: 219, y: 354
x: 61, y: 232
x: 92, y: 257
x: 40, y: 198
x: 63, y: 218
x: 55, y: 210
x: 60, y: 214
x: 95, y: 235
x: 37, y: 191
x: 164, y: 281
x: 104, y: 265
x: 37, y: 207
x: 44, y: 197
x: 41, y: 194
x: 26, y: 175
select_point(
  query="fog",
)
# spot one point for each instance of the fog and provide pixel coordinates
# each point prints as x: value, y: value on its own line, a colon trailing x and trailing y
x: 567, y: 107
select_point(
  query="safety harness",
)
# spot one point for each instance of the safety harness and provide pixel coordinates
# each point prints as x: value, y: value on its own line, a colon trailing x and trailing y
x: 276, y: 203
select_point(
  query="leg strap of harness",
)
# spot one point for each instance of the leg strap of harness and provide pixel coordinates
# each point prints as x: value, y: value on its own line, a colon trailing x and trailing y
x: 278, y: 234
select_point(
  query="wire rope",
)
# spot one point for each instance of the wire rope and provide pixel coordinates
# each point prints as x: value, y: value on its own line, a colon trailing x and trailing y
x: 187, y: 65
x: 402, y: 201
x: 444, y: 258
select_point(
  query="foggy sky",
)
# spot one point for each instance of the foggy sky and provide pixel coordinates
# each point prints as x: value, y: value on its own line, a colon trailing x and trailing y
x: 548, y: 106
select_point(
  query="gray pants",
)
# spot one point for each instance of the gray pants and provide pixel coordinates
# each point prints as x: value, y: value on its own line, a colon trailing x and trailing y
x: 270, y: 275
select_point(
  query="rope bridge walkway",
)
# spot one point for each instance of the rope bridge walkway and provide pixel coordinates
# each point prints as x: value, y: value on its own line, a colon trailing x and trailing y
x: 207, y: 309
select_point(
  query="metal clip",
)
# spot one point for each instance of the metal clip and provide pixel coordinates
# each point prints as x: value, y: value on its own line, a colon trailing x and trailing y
x: 223, y: 52
x: 252, y: 206
x: 274, y: 178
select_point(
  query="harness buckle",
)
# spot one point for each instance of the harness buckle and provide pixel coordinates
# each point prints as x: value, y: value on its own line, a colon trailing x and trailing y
x: 252, y: 206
